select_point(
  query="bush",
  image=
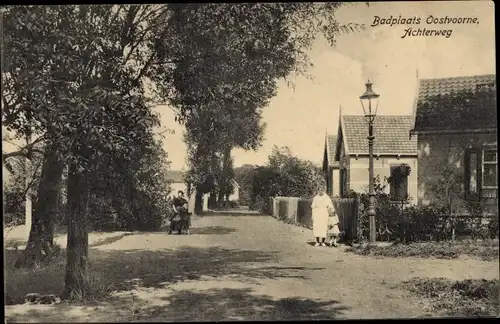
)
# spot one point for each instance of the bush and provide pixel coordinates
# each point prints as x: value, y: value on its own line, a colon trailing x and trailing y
x: 478, y: 297
x: 130, y: 194
x: 483, y: 250
x: 285, y: 175
x: 399, y: 222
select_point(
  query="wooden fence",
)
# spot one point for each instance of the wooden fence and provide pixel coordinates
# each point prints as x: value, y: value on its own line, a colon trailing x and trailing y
x: 299, y: 211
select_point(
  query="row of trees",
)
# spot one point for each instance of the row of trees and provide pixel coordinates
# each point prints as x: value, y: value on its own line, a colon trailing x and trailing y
x: 80, y: 82
x: 235, y: 57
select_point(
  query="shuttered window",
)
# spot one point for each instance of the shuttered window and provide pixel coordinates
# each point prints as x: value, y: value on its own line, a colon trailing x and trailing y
x: 481, y: 173
x: 398, y: 184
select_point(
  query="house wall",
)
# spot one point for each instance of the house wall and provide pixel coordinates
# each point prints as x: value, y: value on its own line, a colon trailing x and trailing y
x: 335, y: 177
x: 235, y: 196
x: 176, y: 186
x: 359, y: 174
x: 438, y: 150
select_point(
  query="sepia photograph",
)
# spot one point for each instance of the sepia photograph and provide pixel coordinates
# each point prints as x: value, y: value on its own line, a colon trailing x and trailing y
x: 258, y: 161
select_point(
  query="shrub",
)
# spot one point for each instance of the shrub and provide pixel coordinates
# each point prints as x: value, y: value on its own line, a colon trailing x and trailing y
x: 130, y: 194
x: 14, y: 200
x: 396, y: 221
x: 284, y: 175
x: 478, y: 297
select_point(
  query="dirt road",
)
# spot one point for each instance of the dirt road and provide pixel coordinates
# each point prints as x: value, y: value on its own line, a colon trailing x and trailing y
x: 247, y: 268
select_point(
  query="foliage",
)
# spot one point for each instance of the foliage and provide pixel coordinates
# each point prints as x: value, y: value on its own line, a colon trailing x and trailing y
x: 485, y: 250
x: 16, y: 186
x: 131, y: 194
x: 13, y: 203
x: 399, y: 222
x: 244, y: 175
x: 228, y: 60
x: 470, y: 297
x: 284, y: 175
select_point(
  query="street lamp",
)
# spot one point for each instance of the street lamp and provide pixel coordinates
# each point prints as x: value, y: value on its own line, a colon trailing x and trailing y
x: 366, y: 103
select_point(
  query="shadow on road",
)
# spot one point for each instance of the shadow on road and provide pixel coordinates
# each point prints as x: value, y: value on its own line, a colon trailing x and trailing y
x: 160, y: 268
x: 109, y: 240
x: 200, y: 305
x: 127, y: 269
x: 212, y: 230
x: 238, y: 304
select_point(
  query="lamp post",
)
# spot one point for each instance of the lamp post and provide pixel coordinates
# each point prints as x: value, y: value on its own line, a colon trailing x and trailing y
x: 366, y: 102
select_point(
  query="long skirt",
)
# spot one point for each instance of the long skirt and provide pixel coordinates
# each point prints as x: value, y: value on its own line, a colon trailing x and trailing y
x: 320, y: 222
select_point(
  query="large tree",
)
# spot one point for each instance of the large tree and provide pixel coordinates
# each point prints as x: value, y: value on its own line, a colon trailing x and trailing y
x: 75, y: 75
x: 229, y: 59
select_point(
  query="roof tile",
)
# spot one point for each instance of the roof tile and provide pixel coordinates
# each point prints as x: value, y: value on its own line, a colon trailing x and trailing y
x: 392, y: 135
x: 332, y: 146
x: 433, y: 117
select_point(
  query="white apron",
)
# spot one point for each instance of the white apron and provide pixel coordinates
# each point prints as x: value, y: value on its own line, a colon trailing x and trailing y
x: 320, y: 211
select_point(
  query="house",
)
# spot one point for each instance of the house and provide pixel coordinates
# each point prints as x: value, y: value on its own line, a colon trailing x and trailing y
x: 331, y: 166
x: 456, y: 130
x: 393, y: 149
x: 235, y: 196
x: 177, y: 182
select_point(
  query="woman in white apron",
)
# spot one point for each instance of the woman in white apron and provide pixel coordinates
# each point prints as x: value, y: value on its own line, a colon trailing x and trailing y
x: 321, y: 207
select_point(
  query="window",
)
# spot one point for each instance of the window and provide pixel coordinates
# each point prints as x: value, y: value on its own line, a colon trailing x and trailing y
x: 399, y: 182
x: 481, y: 170
x: 489, y: 170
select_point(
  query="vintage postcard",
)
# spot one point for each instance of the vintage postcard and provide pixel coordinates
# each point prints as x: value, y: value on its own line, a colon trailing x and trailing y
x: 249, y: 161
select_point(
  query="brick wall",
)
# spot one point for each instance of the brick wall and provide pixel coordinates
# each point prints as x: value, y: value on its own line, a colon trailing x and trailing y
x: 437, y: 150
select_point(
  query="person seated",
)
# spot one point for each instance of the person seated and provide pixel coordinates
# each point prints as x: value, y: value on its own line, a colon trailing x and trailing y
x: 179, y: 221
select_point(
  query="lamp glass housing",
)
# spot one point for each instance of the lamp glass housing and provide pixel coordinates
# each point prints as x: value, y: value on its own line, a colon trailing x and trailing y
x: 366, y: 100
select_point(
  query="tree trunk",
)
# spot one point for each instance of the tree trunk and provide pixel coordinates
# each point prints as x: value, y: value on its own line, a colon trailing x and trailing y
x: 226, y: 170
x: 77, y: 246
x: 198, y: 204
x: 221, y: 198
x: 28, y: 213
x: 41, y: 237
x: 212, y: 200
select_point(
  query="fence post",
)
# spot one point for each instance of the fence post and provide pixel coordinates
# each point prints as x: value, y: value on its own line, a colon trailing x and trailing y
x: 453, y: 228
x: 357, y: 216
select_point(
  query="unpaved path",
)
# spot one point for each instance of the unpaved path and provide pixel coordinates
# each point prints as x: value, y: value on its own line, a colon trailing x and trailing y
x: 248, y: 268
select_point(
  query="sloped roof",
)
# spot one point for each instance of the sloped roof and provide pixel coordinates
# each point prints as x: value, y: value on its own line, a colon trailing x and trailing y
x: 391, y: 135
x: 175, y: 176
x: 439, y: 117
x: 331, y: 147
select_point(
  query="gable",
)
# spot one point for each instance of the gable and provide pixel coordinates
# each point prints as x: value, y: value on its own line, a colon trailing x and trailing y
x: 456, y: 104
x: 330, y: 149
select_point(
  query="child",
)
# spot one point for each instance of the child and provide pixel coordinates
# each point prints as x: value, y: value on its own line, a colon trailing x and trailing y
x: 333, y: 228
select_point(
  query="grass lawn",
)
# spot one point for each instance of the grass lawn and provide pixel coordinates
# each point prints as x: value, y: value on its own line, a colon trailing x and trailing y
x: 444, y: 297
x: 483, y: 250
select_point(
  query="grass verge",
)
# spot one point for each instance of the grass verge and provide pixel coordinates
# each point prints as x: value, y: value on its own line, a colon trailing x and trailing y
x: 484, y: 250
x: 47, y: 279
x: 445, y: 297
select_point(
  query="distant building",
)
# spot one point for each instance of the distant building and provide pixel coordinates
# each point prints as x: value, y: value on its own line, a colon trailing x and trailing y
x: 392, y: 149
x: 331, y: 166
x: 462, y: 137
x: 177, y: 182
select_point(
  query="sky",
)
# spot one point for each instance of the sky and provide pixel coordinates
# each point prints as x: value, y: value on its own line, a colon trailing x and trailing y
x: 299, y: 118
